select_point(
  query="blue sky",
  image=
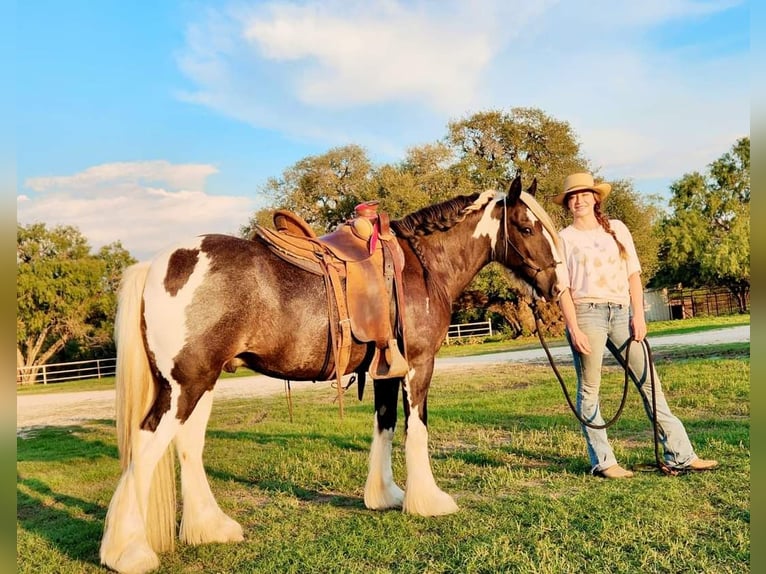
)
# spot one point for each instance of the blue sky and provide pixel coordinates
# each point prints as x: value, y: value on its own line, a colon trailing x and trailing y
x: 148, y: 121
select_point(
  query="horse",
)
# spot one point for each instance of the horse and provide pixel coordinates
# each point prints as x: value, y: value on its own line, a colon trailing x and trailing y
x: 217, y: 300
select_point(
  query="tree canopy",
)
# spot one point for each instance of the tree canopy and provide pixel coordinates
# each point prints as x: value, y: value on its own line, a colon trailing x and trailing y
x: 706, y: 237
x: 63, y: 292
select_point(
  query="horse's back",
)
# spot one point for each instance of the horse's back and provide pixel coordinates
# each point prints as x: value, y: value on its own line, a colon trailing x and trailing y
x: 214, y: 297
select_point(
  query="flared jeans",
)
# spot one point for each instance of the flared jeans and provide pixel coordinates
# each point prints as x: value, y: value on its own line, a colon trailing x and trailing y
x: 607, y: 326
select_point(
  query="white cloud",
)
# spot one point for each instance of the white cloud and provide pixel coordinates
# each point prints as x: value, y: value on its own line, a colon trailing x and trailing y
x: 383, y: 74
x: 188, y: 176
x: 374, y: 53
x: 389, y: 74
x: 145, y: 205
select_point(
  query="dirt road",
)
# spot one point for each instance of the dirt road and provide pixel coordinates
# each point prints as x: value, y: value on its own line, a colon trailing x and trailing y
x: 61, y: 409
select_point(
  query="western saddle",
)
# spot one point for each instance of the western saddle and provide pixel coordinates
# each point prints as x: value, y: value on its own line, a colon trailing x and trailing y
x: 361, y: 263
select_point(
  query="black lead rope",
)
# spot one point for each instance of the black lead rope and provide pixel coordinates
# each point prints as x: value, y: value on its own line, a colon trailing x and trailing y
x: 650, y: 363
x: 624, y: 363
x: 572, y: 406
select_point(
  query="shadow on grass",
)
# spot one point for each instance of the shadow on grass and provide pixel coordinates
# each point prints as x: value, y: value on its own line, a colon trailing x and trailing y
x: 72, y: 525
x: 277, y: 485
x: 50, y: 515
x: 60, y: 444
x: 524, y: 459
x: 287, y: 439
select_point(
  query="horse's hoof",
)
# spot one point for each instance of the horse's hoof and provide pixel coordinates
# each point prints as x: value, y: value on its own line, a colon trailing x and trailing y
x: 230, y: 530
x: 383, y: 499
x: 437, y: 504
x: 136, y: 559
x: 217, y: 529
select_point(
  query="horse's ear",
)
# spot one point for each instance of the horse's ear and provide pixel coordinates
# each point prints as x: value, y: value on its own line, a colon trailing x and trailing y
x: 533, y: 188
x: 514, y: 190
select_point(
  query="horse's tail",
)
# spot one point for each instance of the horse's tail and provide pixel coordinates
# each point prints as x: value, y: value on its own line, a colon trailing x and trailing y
x: 135, y: 392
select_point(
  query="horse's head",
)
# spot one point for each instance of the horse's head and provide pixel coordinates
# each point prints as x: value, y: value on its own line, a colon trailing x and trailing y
x: 530, y: 245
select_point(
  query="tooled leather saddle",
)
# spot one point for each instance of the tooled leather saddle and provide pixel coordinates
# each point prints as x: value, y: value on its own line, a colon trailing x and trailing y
x: 361, y: 262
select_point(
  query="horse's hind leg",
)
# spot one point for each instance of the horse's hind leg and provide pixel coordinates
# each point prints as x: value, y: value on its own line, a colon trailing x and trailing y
x: 381, y: 491
x: 125, y: 545
x: 202, y: 521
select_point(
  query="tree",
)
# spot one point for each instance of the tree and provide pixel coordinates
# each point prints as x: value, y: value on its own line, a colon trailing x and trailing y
x: 706, y: 238
x: 423, y: 178
x: 495, y: 146
x: 324, y: 189
x: 63, y: 293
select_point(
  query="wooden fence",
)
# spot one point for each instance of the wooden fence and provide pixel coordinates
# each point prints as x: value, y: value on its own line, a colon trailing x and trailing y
x: 60, y: 372
x: 480, y: 329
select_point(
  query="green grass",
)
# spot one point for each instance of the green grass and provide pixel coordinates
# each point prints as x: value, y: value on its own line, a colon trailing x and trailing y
x: 503, y: 443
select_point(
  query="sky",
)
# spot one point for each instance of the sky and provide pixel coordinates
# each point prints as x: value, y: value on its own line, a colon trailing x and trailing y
x: 146, y: 122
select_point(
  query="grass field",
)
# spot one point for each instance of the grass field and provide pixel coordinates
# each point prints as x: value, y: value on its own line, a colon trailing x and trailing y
x: 503, y: 443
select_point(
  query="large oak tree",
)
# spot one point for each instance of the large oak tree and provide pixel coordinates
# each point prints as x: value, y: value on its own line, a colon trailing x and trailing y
x: 63, y: 292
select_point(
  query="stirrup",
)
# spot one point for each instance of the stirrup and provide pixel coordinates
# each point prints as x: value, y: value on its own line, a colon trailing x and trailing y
x: 388, y: 362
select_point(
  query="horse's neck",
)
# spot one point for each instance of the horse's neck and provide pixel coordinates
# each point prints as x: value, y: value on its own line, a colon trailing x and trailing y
x: 455, y: 257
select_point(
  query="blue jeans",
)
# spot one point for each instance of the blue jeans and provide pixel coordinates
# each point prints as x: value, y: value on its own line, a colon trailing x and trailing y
x: 607, y: 326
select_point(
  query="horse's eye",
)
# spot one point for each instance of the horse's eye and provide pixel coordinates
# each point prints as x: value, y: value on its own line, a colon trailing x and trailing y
x: 526, y: 231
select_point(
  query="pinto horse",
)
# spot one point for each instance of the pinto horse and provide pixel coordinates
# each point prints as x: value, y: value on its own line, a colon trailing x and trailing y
x: 219, y: 300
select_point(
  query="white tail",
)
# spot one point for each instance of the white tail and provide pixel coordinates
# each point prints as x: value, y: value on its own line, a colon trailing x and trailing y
x: 135, y: 393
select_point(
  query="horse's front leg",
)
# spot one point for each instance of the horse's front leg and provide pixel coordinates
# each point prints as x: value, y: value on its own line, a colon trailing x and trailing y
x: 380, y: 490
x: 203, y: 520
x: 422, y: 496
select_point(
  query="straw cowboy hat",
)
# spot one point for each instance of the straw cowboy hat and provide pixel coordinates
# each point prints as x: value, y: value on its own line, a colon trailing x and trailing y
x: 582, y: 182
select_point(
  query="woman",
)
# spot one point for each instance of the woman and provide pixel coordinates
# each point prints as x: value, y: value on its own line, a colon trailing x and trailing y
x: 603, y: 308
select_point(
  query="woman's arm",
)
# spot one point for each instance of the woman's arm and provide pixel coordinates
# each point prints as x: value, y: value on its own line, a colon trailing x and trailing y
x: 579, y: 339
x: 637, y: 320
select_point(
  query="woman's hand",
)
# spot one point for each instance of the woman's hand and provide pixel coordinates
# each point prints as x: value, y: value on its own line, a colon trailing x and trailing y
x: 638, y: 327
x: 579, y: 341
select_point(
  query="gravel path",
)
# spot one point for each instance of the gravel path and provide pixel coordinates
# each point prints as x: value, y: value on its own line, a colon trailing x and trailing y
x: 62, y: 409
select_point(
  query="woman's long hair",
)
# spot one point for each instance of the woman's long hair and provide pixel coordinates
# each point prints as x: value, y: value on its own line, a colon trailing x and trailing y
x: 603, y: 220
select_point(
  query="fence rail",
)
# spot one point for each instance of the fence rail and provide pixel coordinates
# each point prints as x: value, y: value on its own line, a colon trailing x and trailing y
x: 480, y: 329
x: 61, y: 372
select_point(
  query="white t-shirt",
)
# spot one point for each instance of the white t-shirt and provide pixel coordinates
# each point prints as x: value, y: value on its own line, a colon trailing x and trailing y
x: 595, y: 272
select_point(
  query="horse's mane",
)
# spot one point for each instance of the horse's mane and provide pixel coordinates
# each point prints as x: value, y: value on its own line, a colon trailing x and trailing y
x: 440, y: 217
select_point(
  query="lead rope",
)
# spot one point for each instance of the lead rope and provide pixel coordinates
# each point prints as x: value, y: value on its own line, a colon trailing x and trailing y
x: 572, y: 407
x: 624, y: 363
x: 655, y: 425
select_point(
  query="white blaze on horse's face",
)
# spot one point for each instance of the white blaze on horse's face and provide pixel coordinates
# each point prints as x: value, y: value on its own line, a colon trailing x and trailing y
x: 164, y: 308
x: 488, y: 225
